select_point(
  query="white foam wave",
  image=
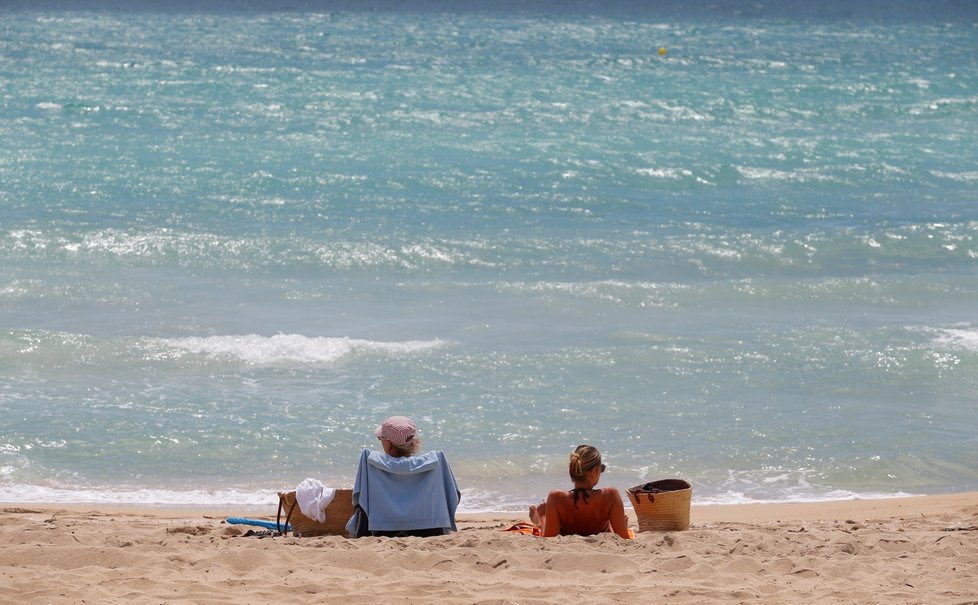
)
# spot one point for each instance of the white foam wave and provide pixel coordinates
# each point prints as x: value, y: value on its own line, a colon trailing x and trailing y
x: 256, y: 349
x: 963, y: 177
x: 958, y: 338
x: 239, y: 499
x: 777, y: 485
x: 484, y: 501
x: 473, y: 501
x: 14, y: 290
x: 647, y: 294
x: 828, y: 496
x: 666, y: 173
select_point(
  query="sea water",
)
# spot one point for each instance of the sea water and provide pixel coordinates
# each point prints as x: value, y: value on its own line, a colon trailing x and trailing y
x: 233, y: 239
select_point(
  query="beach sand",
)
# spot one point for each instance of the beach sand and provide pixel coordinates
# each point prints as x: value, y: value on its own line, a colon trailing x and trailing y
x: 910, y: 550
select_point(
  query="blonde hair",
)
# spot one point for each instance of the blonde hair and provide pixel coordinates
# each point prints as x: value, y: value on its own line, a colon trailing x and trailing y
x: 410, y: 449
x: 582, y: 461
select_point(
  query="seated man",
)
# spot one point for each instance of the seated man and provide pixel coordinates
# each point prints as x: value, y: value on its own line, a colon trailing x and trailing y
x: 399, y: 492
x: 584, y: 510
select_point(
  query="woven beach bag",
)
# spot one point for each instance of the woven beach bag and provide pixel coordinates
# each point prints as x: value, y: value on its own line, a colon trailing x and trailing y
x: 338, y: 513
x: 662, y: 505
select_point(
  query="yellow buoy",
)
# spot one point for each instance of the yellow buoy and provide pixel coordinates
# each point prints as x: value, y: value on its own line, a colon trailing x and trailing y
x: 662, y: 51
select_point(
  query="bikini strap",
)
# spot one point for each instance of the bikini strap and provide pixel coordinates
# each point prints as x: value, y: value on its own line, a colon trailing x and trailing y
x: 584, y: 493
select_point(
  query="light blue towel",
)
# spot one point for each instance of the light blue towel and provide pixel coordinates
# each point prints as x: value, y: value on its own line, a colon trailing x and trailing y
x: 402, y: 494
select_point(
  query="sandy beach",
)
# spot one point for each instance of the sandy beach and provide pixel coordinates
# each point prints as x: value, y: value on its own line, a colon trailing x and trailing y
x: 909, y: 550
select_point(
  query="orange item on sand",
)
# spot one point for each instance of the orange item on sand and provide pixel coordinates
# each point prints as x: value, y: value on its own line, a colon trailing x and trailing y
x: 529, y: 529
x: 526, y: 528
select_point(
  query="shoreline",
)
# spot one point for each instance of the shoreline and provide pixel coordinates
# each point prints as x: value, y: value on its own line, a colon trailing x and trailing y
x: 751, y: 512
x: 895, y: 550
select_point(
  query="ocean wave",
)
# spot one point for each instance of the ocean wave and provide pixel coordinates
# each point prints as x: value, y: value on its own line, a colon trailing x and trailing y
x: 243, y: 499
x: 782, y: 485
x: 294, y: 348
x: 167, y: 246
x: 710, y: 249
x: 644, y: 294
x: 734, y: 497
x: 966, y: 176
x: 55, y: 349
x: 961, y: 338
x: 473, y: 501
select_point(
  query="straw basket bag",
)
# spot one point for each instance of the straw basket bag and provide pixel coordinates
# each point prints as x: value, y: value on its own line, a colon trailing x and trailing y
x: 338, y: 513
x: 662, y: 505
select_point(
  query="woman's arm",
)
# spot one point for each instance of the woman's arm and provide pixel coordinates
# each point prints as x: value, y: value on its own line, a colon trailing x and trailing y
x: 551, y: 521
x: 617, y: 517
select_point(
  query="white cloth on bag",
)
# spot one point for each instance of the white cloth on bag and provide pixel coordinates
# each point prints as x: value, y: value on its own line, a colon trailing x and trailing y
x: 313, y: 498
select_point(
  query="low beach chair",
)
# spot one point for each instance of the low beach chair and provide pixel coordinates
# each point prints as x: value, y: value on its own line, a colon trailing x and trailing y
x: 414, y: 495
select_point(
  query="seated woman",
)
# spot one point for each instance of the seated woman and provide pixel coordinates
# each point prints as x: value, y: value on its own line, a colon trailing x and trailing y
x: 400, y: 491
x: 584, y: 510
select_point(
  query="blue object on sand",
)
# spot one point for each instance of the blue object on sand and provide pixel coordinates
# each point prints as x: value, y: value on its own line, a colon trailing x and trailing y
x: 258, y: 522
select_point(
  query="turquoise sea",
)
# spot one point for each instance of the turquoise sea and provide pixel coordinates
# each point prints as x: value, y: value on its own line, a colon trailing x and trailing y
x: 733, y: 242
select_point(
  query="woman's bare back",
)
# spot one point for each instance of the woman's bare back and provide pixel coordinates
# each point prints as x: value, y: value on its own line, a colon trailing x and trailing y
x: 584, y: 512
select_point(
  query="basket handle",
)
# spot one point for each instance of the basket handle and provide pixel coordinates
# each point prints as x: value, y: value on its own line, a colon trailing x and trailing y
x: 278, y: 516
x: 639, y: 491
x: 288, y: 516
